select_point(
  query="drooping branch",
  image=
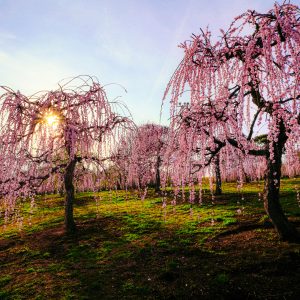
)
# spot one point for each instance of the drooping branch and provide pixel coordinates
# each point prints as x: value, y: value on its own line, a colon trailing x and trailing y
x: 242, y: 79
x: 45, y: 134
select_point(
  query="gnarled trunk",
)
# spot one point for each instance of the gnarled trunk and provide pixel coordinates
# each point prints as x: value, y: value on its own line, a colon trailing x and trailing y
x: 218, y: 176
x: 284, y: 228
x: 69, y: 198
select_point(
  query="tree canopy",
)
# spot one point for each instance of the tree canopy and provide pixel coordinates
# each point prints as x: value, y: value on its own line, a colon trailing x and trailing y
x: 247, y: 79
x: 45, y: 135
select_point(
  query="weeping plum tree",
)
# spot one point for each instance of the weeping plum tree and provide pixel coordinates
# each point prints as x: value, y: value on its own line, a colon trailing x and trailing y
x: 147, y: 152
x: 246, y: 80
x: 121, y: 160
x: 140, y: 155
x: 236, y: 166
x: 45, y: 136
x: 189, y: 158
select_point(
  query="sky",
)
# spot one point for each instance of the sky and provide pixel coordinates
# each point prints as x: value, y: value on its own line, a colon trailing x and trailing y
x: 133, y: 43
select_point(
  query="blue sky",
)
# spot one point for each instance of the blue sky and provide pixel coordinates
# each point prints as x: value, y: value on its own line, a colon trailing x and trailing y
x: 130, y: 42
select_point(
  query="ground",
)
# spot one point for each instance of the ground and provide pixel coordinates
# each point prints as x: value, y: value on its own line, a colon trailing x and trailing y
x: 126, y: 248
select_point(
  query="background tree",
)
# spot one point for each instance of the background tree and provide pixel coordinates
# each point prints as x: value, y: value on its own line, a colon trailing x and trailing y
x: 235, y: 166
x: 147, y: 153
x: 51, y: 133
x: 140, y: 155
x: 248, y: 78
x: 122, y: 160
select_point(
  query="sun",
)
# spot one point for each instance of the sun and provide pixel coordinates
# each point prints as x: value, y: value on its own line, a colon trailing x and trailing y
x: 51, y: 119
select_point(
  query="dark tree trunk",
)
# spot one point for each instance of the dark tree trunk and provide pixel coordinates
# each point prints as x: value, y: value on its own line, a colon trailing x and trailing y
x: 120, y: 183
x: 157, y: 174
x: 246, y: 177
x: 218, y: 190
x: 61, y: 191
x: 69, y: 198
x: 285, y: 229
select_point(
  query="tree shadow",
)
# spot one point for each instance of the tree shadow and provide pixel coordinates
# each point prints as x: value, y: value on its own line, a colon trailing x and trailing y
x: 116, y: 257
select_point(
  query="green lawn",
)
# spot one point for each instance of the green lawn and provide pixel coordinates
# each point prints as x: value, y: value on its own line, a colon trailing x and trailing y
x: 126, y: 248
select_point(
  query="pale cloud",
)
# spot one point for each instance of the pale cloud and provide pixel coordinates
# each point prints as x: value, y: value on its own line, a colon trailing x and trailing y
x: 30, y: 74
x: 4, y: 36
x: 131, y: 42
x: 121, y: 52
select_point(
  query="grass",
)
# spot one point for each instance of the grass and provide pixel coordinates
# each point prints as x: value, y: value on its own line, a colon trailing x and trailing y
x: 126, y: 248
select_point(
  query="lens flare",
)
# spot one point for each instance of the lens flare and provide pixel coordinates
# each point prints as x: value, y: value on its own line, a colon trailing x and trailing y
x: 51, y: 119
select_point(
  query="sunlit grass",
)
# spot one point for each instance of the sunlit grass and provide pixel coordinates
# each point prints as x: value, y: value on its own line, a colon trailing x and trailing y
x: 47, y: 211
x: 124, y: 245
x: 142, y: 221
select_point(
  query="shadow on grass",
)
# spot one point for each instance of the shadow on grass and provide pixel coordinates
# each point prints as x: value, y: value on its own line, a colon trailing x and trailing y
x: 108, y: 257
x: 117, y: 257
x: 138, y: 253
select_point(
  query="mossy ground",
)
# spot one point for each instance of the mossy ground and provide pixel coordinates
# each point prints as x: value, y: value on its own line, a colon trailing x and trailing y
x: 126, y: 248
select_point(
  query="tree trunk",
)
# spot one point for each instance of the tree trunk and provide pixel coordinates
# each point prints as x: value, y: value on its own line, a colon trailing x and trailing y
x: 246, y: 177
x: 286, y: 231
x: 69, y: 198
x: 61, y: 191
x: 157, y: 175
x: 218, y: 176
